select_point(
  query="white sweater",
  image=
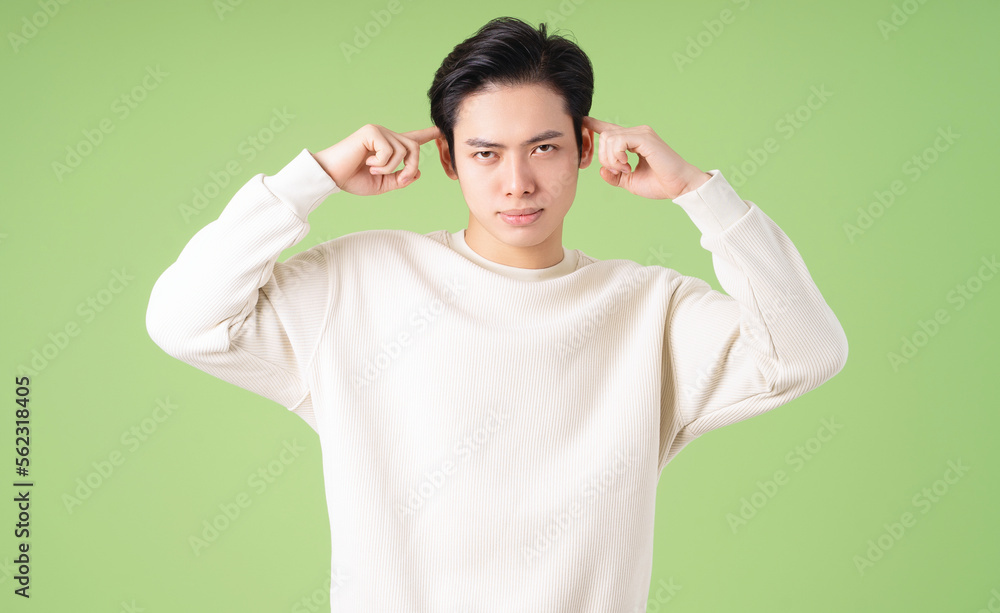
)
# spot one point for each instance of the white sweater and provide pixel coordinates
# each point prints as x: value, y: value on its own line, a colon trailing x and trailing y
x: 492, y: 437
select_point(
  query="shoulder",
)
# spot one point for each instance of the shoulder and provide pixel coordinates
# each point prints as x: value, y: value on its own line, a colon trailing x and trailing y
x: 383, y: 247
x: 624, y: 272
x: 366, y: 240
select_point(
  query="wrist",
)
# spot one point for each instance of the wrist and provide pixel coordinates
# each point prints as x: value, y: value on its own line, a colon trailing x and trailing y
x: 323, y: 159
x: 697, y: 179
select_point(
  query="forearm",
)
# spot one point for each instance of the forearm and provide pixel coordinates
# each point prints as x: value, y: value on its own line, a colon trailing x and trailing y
x: 200, y: 301
x: 783, y: 318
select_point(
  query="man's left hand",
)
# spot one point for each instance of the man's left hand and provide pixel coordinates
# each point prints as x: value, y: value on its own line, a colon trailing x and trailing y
x: 660, y: 172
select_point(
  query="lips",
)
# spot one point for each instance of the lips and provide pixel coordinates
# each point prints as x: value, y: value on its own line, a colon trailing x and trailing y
x: 520, y: 211
x: 525, y: 219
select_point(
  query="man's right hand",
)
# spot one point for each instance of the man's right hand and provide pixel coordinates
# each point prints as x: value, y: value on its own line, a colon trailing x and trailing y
x: 363, y: 163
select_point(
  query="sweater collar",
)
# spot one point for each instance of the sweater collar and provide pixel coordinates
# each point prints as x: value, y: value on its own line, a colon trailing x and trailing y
x: 565, y: 266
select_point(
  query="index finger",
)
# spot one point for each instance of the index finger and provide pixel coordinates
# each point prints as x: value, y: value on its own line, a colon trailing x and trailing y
x: 424, y: 135
x: 597, y: 125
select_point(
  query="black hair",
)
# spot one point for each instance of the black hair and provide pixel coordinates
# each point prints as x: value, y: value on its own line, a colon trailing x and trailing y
x: 509, y: 52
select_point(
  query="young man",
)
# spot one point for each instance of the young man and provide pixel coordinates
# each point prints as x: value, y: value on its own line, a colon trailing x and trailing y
x: 495, y: 410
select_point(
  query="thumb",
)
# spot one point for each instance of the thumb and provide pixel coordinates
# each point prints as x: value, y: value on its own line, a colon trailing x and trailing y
x: 396, y: 183
x: 610, y: 177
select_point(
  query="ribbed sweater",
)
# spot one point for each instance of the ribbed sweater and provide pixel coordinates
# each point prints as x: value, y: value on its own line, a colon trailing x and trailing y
x: 492, y: 437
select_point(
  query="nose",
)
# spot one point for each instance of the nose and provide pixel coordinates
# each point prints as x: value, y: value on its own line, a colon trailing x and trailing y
x: 521, y: 180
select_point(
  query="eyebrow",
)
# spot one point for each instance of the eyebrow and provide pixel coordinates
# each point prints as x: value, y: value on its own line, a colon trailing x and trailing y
x: 482, y: 142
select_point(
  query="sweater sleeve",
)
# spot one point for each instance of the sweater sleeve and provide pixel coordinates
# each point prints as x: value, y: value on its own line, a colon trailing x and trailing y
x: 771, y: 339
x: 228, y: 308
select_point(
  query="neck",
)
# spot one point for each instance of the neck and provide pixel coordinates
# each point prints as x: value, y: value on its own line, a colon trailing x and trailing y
x: 547, y: 253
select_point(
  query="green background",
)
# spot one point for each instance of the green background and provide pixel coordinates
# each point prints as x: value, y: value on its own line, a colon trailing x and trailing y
x: 890, y: 90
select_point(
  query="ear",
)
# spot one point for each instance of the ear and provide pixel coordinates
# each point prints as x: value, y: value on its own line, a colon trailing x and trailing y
x: 587, y: 150
x: 445, y: 155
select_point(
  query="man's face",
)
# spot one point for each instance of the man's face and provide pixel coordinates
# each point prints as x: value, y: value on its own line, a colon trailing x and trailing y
x: 515, y: 149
